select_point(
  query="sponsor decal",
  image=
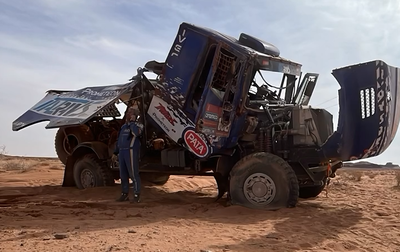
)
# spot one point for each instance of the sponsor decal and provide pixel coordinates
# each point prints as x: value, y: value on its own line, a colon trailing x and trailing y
x: 208, y: 131
x: 211, y: 116
x: 213, y: 109
x: 383, y: 88
x: 166, y: 114
x: 177, y: 47
x: 171, y: 119
x: 212, y: 119
x: 68, y: 107
x: 222, y: 126
x: 195, y: 143
x: 103, y: 93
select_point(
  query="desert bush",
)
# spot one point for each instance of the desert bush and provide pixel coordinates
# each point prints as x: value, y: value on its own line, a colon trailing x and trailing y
x: 353, y: 175
x: 2, y: 151
x: 56, y: 167
x: 397, y: 175
x: 17, y: 165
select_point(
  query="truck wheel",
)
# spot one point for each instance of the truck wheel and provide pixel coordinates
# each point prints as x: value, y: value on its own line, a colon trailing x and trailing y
x: 74, y: 136
x: 155, y: 178
x: 90, y: 172
x: 263, y: 181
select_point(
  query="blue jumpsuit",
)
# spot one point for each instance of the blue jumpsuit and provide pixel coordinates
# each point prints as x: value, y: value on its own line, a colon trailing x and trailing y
x: 128, y: 148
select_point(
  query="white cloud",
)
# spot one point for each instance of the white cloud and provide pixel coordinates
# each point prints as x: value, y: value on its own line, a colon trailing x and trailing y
x: 70, y: 44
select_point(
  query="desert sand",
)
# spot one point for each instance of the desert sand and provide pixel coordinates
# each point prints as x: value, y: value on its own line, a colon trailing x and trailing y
x: 360, y: 213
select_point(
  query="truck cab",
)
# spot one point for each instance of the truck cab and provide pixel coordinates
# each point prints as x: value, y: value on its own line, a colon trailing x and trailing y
x: 207, y: 75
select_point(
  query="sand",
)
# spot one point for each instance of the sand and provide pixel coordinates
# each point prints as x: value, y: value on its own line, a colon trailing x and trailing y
x: 360, y: 214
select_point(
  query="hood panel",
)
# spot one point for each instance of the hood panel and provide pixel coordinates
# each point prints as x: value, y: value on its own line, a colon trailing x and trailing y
x: 369, y: 111
x: 64, y: 108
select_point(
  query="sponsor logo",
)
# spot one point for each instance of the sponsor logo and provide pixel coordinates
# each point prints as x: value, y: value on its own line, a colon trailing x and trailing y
x: 195, y: 143
x: 211, y: 116
x: 223, y: 126
x: 382, y: 88
x: 166, y: 114
x: 68, y: 107
x: 208, y: 131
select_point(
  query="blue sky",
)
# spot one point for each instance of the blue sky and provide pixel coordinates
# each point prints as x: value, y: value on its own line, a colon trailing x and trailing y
x: 70, y: 44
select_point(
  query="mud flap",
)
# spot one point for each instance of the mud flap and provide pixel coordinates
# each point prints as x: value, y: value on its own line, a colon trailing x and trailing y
x: 368, y: 115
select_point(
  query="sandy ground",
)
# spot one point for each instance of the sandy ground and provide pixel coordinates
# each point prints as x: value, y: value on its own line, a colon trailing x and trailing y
x: 360, y: 214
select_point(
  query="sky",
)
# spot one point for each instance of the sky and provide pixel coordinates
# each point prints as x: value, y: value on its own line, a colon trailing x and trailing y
x: 71, y: 44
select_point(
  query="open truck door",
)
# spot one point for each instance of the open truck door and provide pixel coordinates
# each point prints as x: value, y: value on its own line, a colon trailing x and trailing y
x: 369, y: 114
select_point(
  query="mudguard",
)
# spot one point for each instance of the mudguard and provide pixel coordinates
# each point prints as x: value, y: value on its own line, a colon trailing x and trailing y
x: 368, y: 115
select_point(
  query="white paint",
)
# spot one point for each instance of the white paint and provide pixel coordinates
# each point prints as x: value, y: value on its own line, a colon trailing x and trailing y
x: 175, y: 129
x: 178, y: 46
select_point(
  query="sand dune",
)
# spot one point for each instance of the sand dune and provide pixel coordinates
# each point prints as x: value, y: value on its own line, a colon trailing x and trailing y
x: 360, y: 214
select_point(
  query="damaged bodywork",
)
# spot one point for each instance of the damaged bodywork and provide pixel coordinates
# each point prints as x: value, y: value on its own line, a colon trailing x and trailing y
x: 211, y: 111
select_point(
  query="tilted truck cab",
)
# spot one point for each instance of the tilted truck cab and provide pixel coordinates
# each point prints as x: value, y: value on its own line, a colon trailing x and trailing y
x: 206, y: 113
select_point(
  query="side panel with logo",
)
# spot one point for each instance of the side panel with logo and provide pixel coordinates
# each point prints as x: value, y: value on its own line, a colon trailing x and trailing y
x: 178, y: 126
x: 73, y: 107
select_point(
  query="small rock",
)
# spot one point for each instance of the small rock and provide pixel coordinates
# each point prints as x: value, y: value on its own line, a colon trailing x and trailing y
x: 77, y: 227
x: 272, y: 236
x: 112, y: 248
x: 60, y: 235
x: 131, y: 231
x: 128, y: 215
x: 22, y: 232
x: 46, y: 239
x: 382, y: 214
x: 204, y: 250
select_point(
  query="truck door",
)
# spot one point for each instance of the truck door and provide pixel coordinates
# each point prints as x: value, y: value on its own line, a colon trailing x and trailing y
x: 217, y: 107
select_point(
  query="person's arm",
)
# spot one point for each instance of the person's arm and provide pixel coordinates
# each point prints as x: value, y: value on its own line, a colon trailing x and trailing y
x: 134, y: 129
x: 140, y: 128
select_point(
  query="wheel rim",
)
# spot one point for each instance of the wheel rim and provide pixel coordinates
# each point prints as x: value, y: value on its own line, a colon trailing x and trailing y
x: 88, y: 178
x: 259, y: 189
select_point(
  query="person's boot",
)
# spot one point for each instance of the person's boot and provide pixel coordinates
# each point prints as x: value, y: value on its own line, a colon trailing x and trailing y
x: 123, y: 197
x: 136, y: 198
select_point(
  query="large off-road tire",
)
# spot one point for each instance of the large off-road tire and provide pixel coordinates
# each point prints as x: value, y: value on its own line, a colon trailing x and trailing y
x: 89, y: 172
x: 75, y: 136
x: 263, y: 181
x: 154, y: 178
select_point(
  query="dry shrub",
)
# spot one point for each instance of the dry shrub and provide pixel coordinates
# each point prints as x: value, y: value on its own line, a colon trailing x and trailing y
x: 397, y: 175
x: 56, y: 167
x: 372, y: 175
x: 353, y: 175
x: 19, y: 165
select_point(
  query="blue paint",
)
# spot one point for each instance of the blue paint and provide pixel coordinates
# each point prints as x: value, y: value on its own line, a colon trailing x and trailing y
x: 356, y: 135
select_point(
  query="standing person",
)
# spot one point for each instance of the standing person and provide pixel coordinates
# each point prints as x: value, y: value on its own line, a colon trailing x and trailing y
x: 128, y: 151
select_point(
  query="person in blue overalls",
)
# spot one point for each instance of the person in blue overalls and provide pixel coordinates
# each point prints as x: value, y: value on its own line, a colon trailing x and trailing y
x: 128, y: 151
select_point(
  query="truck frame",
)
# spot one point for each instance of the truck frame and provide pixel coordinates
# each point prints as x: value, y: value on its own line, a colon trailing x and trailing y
x: 206, y: 114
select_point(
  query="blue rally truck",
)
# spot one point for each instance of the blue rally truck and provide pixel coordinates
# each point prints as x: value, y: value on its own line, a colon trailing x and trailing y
x: 206, y: 113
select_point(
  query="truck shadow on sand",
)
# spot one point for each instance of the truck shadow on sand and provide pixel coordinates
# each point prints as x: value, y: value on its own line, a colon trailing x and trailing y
x: 43, y: 210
